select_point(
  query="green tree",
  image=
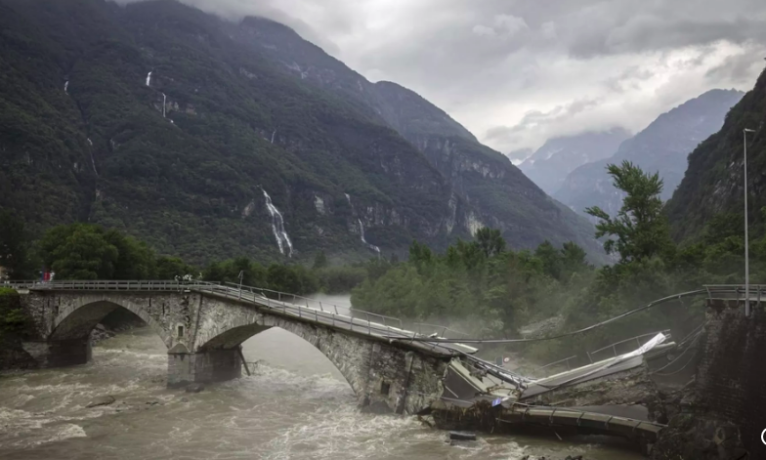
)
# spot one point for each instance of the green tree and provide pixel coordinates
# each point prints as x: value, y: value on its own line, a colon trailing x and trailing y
x: 551, y: 259
x: 135, y: 260
x: 490, y: 241
x: 14, y: 320
x: 79, y: 251
x: 574, y: 258
x: 167, y: 268
x: 320, y: 260
x: 640, y: 229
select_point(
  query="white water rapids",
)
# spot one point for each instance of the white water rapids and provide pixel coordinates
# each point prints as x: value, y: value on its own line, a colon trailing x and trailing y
x: 295, y: 406
x: 278, y: 226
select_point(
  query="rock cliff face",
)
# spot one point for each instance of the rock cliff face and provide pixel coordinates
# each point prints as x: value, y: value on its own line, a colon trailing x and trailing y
x: 486, y: 188
x: 663, y: 146
x: 713, y: 183
x: 175, y: 126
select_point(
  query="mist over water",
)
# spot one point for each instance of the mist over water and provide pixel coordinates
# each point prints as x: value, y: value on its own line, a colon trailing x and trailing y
x: 295, y: 406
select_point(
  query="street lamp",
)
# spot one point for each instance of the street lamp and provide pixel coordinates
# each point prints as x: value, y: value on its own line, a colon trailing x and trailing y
x: 747, y: 249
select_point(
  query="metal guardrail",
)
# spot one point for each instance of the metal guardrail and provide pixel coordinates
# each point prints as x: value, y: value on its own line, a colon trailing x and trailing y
x: 549, y: 365
x: 636, y: 338
x: 577, y: 416
x: 323, y: 306
x: 434, y: 328
x: 110, y: 285
x: 756, y: 292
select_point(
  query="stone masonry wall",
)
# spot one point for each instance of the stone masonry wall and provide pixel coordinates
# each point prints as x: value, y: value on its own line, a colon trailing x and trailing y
x: 724, y: 414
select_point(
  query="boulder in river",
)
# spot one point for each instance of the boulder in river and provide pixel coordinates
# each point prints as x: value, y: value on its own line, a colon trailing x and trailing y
x: 195, y: 388
x: 101, y: 401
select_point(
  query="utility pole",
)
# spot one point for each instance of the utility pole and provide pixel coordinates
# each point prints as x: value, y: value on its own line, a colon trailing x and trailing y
x: 747, y: 242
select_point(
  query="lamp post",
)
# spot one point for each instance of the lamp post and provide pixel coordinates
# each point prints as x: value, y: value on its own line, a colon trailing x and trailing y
x: 747, y: 248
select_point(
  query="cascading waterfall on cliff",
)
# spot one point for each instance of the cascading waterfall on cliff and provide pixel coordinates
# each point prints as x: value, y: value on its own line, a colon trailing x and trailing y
x: 371, y: 246
x: 149, y: 79
x: 278, y: 226
x: 164, y: 98
x: 361, y: 227
x: 92, y: 161
x: 66, y: 87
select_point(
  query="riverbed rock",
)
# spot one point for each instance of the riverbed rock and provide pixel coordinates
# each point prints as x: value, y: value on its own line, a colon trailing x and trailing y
x: 195, y: 388
x: 101, y: 401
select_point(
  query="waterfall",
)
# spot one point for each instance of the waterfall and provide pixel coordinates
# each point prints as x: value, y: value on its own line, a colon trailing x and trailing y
x: 66, y: 87
x: 149, y: 79
x: 274, y: 133
x: 278, y: 226
x: 92, y: 161
x: 164, y: 98
x: 361, y: 227
x: 371, y: 246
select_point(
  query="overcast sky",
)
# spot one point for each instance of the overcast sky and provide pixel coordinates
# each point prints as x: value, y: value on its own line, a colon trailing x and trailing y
x: 516, y: 72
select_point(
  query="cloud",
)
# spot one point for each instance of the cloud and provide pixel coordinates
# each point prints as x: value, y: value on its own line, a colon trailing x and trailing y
x: 518, y: 72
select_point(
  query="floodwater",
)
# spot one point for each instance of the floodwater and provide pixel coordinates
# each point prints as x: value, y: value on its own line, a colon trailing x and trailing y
x: 296, y: 405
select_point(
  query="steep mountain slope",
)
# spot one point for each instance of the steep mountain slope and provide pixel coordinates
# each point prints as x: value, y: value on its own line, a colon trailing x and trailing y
x: 189, y: 132
x: 496, y: 192
x: 551, y: 163
x: 714, y: 179
x: 663, y: 146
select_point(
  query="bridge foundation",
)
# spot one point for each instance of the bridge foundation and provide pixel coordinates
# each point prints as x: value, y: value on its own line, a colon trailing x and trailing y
x: 202, y: 367
x: 59, y: 353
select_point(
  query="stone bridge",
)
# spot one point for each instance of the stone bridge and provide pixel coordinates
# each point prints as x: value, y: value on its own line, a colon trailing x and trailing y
x: 204, y: 325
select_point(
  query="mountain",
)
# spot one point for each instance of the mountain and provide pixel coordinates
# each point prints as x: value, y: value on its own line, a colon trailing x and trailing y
x: 713, y: 181
x: 519, y: 155
x: 211, y: 139
x: 662, y: 147
x: 551, y: 163
x: 494, y: 192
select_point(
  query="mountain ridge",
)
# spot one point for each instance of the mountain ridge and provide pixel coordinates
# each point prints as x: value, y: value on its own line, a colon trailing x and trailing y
x: 662, y: 146
x: 183, y: 161
x: 549, y: 165
x: 713, y: 183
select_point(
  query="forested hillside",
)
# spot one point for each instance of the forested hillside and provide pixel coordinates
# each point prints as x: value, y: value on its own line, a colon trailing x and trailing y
x: 173, y: 126
x: 713, y: 182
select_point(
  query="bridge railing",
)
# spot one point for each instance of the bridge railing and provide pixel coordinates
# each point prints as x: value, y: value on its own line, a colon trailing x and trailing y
x: 545, y: 371
x: 614, y: 346
x: 323, y: 312
x: 110, y: 285
x: 755, y: 292
x: 441, y: 331
x: 291, y: 304
x: 315, y: 304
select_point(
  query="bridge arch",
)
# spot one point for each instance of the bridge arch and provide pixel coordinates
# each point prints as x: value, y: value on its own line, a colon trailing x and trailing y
x: 342, y: 351
x: 76, y: 319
